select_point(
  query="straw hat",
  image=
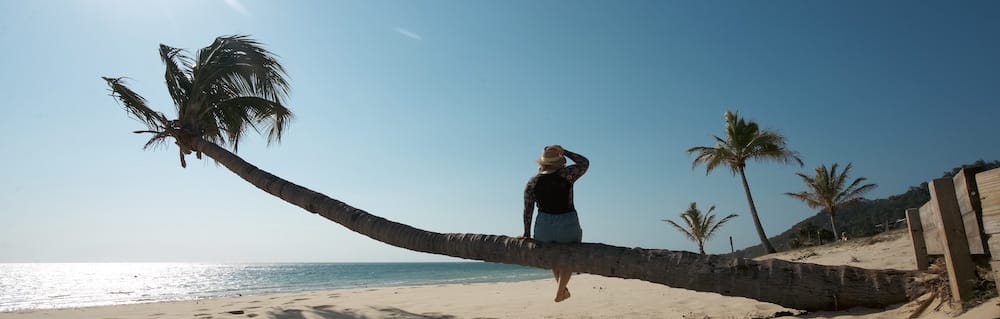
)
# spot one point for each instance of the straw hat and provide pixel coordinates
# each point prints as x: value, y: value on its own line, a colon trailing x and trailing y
x: 552, y: 159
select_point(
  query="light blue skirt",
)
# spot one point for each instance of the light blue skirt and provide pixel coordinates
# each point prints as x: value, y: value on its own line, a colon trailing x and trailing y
x: 561, y: 228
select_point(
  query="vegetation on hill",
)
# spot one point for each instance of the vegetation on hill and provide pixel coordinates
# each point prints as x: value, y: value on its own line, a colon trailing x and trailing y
x: 864, y: 219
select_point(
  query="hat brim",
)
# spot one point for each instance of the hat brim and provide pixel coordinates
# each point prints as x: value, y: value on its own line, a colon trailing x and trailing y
x: 551, y: 161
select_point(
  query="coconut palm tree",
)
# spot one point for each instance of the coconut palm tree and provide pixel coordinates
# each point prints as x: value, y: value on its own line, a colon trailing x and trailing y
x: 829, y: 190
x: 234, y: 84
x: 745, y: 141
x: 698, y: 227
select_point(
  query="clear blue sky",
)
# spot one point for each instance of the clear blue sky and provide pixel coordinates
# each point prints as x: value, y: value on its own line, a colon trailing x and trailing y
x: 430, y: 113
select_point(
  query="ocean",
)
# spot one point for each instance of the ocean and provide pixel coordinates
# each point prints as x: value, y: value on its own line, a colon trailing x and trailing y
x: 25, y: 286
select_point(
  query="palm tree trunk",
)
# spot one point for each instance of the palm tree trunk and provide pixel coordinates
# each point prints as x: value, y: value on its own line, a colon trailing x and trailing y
x: 756, y: 220
x: 794, y: 285
x: 833, y: 225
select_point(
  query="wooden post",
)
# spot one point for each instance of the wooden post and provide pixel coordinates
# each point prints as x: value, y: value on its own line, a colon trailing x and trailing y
x: 731, y: 248
x: 970, y: 206
x: 917, y: 237
x: 961, y: 271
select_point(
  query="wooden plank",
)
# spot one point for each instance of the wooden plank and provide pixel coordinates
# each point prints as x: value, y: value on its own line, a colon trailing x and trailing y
x: 931, y: 224
x: 917, y: 237
x: 969, y: 206
x: 989, y: 196
x: 961, y: 271
x: 995, y: 265
x: 994, y: 243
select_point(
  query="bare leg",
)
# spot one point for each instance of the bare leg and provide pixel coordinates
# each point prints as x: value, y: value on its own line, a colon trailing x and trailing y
x: 555, y: 273
x: 562, y: 293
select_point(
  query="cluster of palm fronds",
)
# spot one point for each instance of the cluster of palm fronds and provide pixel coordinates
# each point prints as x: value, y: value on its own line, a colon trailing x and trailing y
x: 232, y: 85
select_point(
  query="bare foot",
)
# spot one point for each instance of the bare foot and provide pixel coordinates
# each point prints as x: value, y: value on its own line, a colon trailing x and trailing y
x: 563, y: 295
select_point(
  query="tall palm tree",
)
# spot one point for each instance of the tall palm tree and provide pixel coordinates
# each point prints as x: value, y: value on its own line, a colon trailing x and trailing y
x: 698, y: 227
x: 234, y: 84
x: 745, y: 141
x: 829, y: 190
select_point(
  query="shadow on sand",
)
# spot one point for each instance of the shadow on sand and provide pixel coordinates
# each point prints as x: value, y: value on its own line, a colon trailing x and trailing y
x: 326, y: 312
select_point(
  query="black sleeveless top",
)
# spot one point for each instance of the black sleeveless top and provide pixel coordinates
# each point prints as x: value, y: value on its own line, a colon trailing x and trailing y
x: 552, y: 194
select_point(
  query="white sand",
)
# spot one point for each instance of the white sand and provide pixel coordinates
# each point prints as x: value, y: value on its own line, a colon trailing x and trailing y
x: 593, y: 297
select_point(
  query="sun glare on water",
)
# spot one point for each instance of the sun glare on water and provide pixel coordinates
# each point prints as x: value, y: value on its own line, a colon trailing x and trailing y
x: 43, y: 286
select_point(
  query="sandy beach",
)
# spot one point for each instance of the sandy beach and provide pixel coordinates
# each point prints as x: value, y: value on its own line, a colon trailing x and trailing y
x: 593, y: 297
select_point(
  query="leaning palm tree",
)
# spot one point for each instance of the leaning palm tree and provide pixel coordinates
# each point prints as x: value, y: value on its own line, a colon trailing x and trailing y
x: 234, y: 85
x: 745, y: 141
x: 829, y: 190
x: 698, y: 227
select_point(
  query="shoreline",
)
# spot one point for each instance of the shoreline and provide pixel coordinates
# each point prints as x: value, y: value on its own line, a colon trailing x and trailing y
x: 81, y: 285
x: 593, y: 297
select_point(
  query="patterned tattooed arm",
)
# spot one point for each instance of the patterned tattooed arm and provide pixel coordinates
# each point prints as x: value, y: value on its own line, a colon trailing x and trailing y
x: 529, y: 205
x: 580, y: 165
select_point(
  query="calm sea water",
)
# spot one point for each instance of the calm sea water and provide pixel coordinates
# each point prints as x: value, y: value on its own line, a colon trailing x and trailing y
x: 52, y: 285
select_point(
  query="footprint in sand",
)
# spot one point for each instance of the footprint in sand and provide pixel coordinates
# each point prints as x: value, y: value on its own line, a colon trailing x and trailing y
x: 300, y: 299
x: 251, y: 315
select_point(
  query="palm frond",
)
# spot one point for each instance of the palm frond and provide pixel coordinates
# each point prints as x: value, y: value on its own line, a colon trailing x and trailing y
x: 711, y: 232
x: 808, y: 198
x: 158, y: 139
x: 712, y: 157
x: 271, y: 114
x: 853, y: 193
x: 178, y: 75
x: 241, y: 57
x: 770, y: 146
x: 681, y: 229
x: 238, y: 84
x: 135, y: 105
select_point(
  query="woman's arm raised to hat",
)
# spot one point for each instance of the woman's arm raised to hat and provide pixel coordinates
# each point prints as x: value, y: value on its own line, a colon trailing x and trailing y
x: 579, y: 167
